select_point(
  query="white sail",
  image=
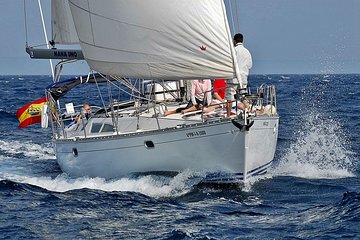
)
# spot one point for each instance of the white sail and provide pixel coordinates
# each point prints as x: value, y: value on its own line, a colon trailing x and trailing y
x: 158, y: 39
x: 63, y: 28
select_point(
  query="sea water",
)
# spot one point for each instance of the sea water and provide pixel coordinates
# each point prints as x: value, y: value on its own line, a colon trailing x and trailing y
x: 312, y: 190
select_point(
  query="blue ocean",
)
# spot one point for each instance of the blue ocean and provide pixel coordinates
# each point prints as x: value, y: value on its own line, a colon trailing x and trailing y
x: 311, y: 191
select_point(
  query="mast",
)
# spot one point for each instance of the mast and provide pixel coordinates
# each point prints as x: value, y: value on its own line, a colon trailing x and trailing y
x: 233, y: 54
x: 46, y: 38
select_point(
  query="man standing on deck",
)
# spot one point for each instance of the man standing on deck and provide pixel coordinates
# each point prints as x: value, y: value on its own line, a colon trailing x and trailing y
x: 244, y: 61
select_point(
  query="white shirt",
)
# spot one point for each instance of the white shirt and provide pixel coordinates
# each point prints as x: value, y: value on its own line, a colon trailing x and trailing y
x: 244, y: 61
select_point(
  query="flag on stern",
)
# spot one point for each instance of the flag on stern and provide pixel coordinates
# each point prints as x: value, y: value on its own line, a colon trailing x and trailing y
x: 30, y: 113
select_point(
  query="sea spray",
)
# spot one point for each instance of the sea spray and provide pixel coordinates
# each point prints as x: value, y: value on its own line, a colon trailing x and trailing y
x: 319, y: 151
x: 321, y: 148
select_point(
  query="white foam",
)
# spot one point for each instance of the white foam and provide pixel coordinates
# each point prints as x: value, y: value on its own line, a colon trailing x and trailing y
x: 3, y: 158
x: 150, y: 185
x: 28, y: 149
x: 321, y: 150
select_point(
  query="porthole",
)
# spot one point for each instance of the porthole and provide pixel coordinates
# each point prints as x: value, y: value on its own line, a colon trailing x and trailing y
x: 75, y: 152
x: 149, y: 144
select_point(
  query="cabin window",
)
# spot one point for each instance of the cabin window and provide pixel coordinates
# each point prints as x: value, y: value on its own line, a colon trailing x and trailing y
x: 107, y: 128
x: 95, y: 128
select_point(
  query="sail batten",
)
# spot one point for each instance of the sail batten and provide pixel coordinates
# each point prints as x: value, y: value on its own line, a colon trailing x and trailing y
x: 157, y: 39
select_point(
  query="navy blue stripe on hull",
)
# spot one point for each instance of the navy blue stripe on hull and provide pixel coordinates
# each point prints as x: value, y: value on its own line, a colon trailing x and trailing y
x: 236, y: 177
x: 259, y: 170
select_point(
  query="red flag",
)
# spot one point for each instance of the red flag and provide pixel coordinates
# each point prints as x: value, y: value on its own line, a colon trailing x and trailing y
x: 30, y: 113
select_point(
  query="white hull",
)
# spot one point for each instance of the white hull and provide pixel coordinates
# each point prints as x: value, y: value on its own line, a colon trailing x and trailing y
x: 214, y: 146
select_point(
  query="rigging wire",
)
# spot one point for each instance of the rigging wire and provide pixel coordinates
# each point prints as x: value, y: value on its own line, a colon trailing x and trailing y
x: 237, y: 17
x: 124, y: 82
x: 231, y: 17
x: 98, y: 88
x: 25, y: 23
x: 46, y: 38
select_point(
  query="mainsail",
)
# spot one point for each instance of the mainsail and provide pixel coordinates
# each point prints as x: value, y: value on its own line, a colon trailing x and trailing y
x: 63, y: 28
x: 157, y: 39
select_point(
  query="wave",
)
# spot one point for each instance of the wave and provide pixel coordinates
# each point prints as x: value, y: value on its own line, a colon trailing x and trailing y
x: 4, y: 114
x: 15, y: 186
x: 150, y: 185
x: 26, y: 149
x: 285, y: 77
x: 347, y: 210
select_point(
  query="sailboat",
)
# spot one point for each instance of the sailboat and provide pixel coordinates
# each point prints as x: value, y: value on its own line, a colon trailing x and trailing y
x: 150, y: 51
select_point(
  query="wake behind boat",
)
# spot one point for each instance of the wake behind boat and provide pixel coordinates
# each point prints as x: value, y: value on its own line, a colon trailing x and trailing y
x: 171, y: 48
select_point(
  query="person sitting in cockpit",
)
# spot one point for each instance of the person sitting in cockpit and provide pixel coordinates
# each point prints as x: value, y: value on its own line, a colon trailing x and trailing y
x: 85, y: 112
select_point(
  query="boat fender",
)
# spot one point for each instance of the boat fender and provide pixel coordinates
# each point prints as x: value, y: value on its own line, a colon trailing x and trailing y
x: 44, y: 116
x: 241, y: 126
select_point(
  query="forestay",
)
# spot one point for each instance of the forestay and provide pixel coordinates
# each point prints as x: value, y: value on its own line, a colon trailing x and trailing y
x: 157, y: 39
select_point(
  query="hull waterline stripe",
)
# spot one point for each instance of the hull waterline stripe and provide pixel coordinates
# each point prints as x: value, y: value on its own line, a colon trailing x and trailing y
x: 239, y: 176
x: 256, y: 169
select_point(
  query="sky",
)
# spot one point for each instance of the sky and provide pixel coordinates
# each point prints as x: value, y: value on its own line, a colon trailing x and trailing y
x: 283, y: 36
